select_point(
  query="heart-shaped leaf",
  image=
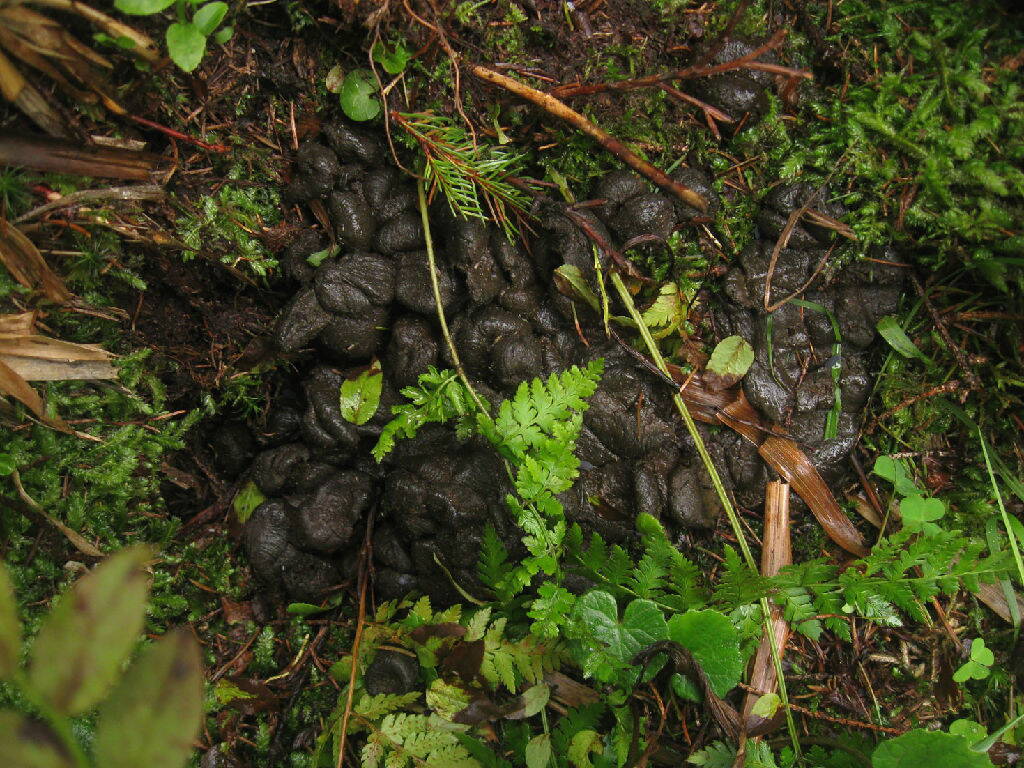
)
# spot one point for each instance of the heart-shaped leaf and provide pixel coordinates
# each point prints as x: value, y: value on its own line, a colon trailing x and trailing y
x: 393, y: 61
x: 611, y: 644
x: 918, y: 512
x: 83, y: 643
x: 358, y: 96
x: 155, y: 712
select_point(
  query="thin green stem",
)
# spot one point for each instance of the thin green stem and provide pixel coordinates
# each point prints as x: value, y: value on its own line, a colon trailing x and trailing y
x: 730, y: 511
x: 438, y: 303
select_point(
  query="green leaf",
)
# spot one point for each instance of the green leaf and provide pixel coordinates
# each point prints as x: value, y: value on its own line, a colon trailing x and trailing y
x: 714, y: 643
x: 142, y: 7
x: 923, y: 748
x: 445, y: 699
x: 642, y: 624
x: 890, y: 329
x: 918, y: 512
x: 209, y: 17
x: 360, y: 397
x: 10, y: 626
x: 83, y: 643
x: 582, y: 745
x: 223, y: 34
x: 570, y: 281
x: 226, y: 692
x: 730, y: 361
x: 538, y: 751
x: 186, y: 45
x: 358, y: 99
x: 535, y: 698
x: 7, y: 464
x: 26, y: 743
x: 246, y: 501
x: 394, y: 61
x: 767, y: 705
x: 894, y: 471
x: 969, y: 729
x: 155, y: 712
x: 980, y: 653
x: 306, y: 609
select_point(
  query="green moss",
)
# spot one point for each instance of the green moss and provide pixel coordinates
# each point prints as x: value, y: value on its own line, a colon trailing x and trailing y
x: 228, y: 222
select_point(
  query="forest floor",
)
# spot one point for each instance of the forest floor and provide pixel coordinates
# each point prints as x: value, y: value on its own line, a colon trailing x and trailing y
x: 912, y: 111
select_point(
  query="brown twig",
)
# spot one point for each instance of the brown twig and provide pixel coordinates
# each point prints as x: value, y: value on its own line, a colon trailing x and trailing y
x: 141, y: 192
x: 942, y: 389
x: 555, y: 107
x: 221, y: 148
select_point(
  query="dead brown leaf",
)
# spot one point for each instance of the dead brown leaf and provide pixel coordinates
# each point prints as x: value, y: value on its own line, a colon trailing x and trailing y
x: 28, y: 266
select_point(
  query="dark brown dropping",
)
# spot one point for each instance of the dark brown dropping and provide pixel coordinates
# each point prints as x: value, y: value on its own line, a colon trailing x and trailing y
x: 355, y: 282
x: 325, y: 523
x: 402, y: 233
x: 354, y: 145
x: 353, y: 221
x: 300, y: 321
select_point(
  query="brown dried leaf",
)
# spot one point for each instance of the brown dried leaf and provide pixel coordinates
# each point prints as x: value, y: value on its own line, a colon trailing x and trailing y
x: 28, y: 266
x: 41, y: 358
x: 776, y: 553
x: 14, y: 385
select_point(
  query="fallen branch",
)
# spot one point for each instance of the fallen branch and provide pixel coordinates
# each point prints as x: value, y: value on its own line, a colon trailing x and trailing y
x: 558, y: 109
x: 141, y: 192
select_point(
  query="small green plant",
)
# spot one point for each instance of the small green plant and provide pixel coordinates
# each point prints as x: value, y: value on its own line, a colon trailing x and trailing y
x: 187, y: 37
x: 146, y: 716
x: 473, y: 177
x: 977, y: 667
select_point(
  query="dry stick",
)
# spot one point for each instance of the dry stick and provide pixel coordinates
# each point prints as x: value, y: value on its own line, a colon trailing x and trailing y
x: 776, y: 554
x: 141, y: 192
x: 605, y: 139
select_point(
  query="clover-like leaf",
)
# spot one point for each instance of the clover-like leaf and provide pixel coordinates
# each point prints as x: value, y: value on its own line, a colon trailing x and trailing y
x: 926, y: 748
x: 918, y: 512
x: 10, y: 626
x: 980, y: 653
x: 358, y: 96
x: 27, y: 743
x: 83, y: 643
x: 893, y: 470
x: 186, y: 44
x: 714, y: 643
x: 730, y: 361
x: 395, y: 60
x: 360, y: 397
x: 154, y: 713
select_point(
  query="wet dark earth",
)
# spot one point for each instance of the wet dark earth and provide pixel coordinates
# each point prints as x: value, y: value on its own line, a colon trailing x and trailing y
x: 431, y: 499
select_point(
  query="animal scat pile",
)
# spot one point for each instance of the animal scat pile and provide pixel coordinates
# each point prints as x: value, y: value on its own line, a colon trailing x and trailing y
x: 433, y: 496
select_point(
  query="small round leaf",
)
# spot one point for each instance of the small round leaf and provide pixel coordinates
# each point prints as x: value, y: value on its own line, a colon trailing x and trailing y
x: 186, y: 45
x: 358, y: 96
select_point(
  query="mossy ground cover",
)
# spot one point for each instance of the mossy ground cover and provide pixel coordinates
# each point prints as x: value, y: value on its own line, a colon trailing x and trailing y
x: 916, y: 123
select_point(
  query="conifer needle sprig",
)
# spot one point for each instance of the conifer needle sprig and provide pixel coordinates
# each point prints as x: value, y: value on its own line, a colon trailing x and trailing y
x: 473, y: 177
